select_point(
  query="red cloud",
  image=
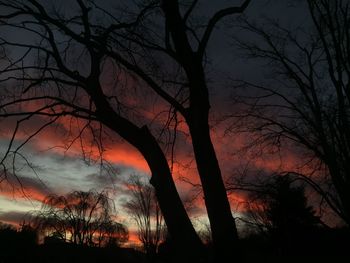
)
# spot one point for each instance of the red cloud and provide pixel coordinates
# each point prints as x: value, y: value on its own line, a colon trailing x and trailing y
x: 119, y: 152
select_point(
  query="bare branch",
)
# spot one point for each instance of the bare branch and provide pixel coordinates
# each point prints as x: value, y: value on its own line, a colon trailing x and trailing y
x: 214, y: 20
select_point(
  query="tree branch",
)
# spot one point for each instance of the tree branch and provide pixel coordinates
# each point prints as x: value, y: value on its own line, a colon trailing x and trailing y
x: 214, y: 20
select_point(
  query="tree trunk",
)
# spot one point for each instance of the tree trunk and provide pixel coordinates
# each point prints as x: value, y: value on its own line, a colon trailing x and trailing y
x: 185, y: 239
x: 223, y: 227
x: 224, y: 232
x: 187, y: 243
x: 342, y: 187
x: 179, y: 225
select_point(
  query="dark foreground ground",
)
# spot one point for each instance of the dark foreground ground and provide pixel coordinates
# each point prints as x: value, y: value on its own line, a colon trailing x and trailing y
x: 327, y: 246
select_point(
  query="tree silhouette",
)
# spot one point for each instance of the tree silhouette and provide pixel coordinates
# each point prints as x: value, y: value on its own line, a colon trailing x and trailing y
x: 28, y: 234
x: 162, y: 46
x: 144, y: 209
x: 7, y: 234
x: 83, y: 218
x: 306, y: 100
x: 279, y: 210
x: 286, y: 207
x: 17, y: 244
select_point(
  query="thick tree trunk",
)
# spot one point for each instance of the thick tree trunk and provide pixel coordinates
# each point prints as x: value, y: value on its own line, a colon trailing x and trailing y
x: 224, y: 232
x: 223, y: 227
x: 187, y: 244
x: 179, y: 225
x: 185, y: 239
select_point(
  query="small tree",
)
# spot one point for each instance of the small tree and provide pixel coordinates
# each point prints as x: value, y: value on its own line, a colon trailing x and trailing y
x: 82, y: 218
x: 144, y: 209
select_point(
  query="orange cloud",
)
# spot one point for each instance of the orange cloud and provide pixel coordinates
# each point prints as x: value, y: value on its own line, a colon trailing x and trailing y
x: 133, y: 240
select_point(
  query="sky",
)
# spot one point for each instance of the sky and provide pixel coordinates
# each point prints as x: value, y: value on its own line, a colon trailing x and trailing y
x: 56, y: 168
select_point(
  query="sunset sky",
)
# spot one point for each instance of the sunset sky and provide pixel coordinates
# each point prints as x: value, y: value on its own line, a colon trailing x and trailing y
x: 59, y: 172
x: 58, y: 166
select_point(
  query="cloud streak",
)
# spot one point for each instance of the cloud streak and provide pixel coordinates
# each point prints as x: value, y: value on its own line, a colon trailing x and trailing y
x: 15, y: 217
x: 23, y: 187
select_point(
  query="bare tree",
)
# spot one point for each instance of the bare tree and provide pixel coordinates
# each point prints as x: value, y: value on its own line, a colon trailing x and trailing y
x: 306, y: 100
x: 162, y: 46
x: 144, y: 209
x: 83, y: 218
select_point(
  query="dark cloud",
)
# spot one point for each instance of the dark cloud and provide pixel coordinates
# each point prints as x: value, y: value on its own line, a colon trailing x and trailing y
x: 15, y: 217
x: 102, y: 180
x: 111, y: 175
x: 24, y: 187
x: 28, y: 182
